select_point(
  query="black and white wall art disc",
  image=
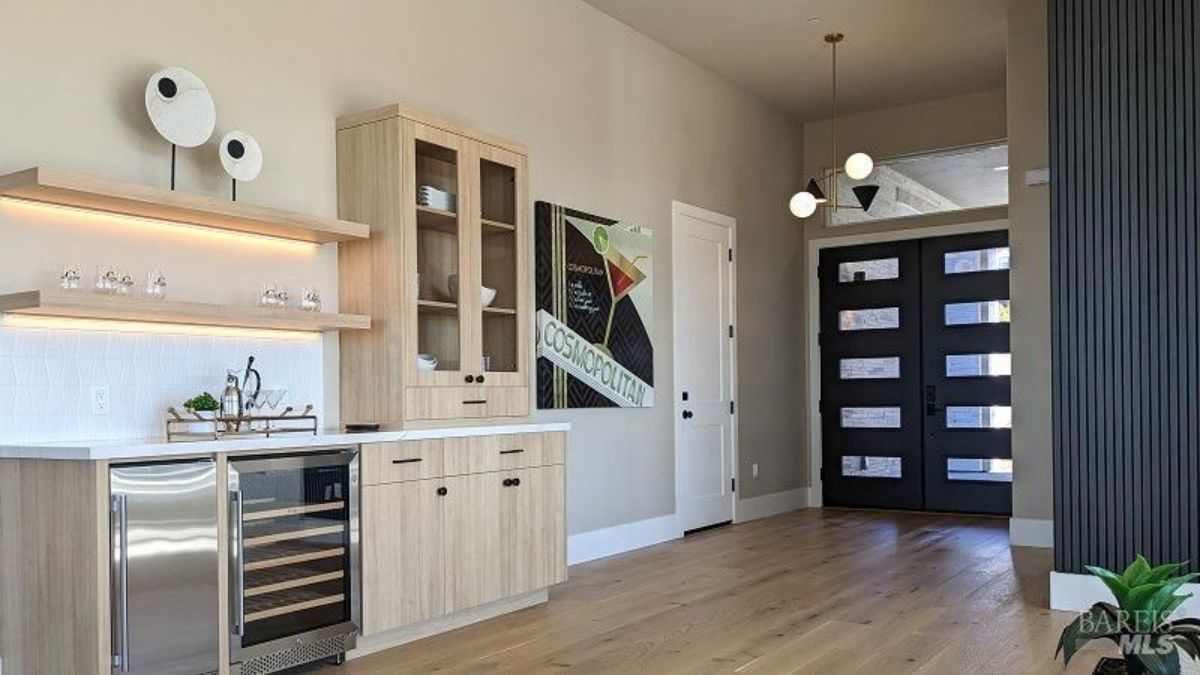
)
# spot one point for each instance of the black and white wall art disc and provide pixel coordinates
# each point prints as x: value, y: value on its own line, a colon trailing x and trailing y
x: 241, y: 156
x: 180, y: 107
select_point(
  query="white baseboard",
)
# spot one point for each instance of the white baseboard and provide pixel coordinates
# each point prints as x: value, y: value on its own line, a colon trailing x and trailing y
x: 1078, y: 592
x: 772, y: 504
x: 608, y: 541
x: 1031, y: 532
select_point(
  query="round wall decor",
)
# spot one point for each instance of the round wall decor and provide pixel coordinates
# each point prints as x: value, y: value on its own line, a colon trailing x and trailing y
x: 180, y: 107
x: 241, y: 156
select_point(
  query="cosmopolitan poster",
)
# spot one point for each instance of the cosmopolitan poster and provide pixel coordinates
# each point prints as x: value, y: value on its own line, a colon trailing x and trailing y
x: 594, y: 311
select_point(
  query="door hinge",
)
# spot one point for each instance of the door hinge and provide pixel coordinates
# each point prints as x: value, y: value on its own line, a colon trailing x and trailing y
x: 731, y: 408
x: 731, y: 330
x: 733, y: 484
x: 731, y: 255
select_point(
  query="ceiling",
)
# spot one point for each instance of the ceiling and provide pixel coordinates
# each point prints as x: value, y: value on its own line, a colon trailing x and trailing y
x: 896, y: 51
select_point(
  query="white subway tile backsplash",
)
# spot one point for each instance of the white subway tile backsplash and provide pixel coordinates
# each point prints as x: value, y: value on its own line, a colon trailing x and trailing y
x: 47, y: 376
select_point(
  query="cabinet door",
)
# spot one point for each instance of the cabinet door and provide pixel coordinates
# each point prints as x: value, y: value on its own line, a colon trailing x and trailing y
x: 402, y: 554
x: 532, y: 529
x: 440, y: 244
x: 502, y: 245
x: 474, y: 573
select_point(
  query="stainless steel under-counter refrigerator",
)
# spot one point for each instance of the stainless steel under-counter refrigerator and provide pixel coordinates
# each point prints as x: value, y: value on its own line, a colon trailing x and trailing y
x: 165, y: 567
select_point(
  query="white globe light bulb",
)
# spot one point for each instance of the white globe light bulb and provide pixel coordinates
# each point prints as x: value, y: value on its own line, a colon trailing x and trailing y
x: 859, y: 165
x: 803, y: 204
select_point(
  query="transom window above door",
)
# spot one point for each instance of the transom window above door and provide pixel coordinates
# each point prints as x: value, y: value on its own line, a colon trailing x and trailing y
x: 932, y: 182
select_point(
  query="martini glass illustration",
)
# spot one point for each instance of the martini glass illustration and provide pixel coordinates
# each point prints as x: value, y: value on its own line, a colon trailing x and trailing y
x: 623, y: 277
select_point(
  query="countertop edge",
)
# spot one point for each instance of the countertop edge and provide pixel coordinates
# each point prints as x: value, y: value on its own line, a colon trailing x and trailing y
x: 121, y: 450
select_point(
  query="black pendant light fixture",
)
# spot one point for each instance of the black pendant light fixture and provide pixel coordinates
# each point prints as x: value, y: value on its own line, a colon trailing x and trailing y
x: 814, y: 189
x: 858, y: 166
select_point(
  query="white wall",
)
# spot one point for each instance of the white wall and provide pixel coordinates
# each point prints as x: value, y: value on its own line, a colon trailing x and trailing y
x: 615, y: 123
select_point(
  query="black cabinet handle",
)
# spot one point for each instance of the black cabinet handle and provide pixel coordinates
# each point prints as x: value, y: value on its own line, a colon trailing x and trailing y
x: 507, y: 482
x: 512, y: 452
x: 479, y: 379
x: 516, y: 482
x: 687, y: 414
x: 470, y: 379
x: 479, y: 401
x: 407, y: 461
x: 442, y: 492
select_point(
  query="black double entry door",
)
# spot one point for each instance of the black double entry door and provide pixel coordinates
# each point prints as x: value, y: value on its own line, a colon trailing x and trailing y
x: 915, y: 365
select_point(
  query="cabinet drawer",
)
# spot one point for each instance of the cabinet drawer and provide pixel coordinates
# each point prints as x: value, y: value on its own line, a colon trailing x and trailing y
x: 399, y: 461
x: 502, y: 452
x: 445, y: 403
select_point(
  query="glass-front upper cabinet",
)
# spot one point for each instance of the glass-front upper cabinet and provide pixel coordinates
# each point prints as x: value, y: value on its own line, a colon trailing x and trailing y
x: 500, y: 177
x: 440, y: 269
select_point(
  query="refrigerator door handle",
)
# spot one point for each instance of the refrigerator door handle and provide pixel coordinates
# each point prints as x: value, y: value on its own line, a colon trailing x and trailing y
x: 120, y: 526
x: 238, y: 606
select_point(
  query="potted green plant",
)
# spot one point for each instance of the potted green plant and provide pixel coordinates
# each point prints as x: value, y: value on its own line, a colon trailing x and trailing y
x: 1139, y: 624
x: 202, y: 404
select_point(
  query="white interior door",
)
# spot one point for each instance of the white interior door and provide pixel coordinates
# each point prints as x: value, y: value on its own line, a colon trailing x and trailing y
x: 702, y: 284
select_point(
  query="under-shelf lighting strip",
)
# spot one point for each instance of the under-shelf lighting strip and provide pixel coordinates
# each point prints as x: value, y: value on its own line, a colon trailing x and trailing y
x: 144, y: 327
x: 162, y: 226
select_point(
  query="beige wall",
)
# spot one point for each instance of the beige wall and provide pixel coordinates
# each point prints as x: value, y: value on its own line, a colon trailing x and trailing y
x: 1029, y: 238
x: 615, y: 123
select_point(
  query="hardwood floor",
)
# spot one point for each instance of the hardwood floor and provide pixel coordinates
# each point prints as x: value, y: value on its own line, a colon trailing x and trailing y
x: 814, y: 591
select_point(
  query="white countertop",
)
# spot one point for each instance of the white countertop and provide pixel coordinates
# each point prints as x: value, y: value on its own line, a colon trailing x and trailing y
x: 159, y: 447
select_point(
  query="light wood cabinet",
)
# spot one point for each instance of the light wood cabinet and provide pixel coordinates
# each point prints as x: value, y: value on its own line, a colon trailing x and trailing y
x: 443, y: 274
x: 493, y: 527
x: 403, y: 556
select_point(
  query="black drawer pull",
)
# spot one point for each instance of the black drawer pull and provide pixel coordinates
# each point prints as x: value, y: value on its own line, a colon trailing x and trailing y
x: 512, y: 452
x: 407, y: 461
x: 442, y: 491
x: 479, y: 401
x: 507, y: 482
x: 516, y: 482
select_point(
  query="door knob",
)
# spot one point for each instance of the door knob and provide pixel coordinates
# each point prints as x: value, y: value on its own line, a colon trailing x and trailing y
x: 442, y: 492
x: 470, y: 379
x: 479, y: 379
x: 687, y: 414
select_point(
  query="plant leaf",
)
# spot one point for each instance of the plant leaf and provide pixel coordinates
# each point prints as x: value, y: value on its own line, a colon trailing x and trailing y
x: 1159, y: 664
x: 1190, y: 644
x: 1163, y: 572
x: 1115, y: 583
x: 1098, y: 622
x: 1136, y: 570
x: 1138, y: 605
x: 1165, y: 601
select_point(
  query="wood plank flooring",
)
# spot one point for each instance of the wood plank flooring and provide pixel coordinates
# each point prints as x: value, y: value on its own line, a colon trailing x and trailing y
x: 813, y: 591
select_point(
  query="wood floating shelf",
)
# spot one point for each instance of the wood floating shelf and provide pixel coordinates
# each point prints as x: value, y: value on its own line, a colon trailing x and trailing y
x: 62, y: 188
x: 497, y: 227
x: 437, y: 307
x: 429, y: 218
x: 87, y: 305
x: 500, y: 311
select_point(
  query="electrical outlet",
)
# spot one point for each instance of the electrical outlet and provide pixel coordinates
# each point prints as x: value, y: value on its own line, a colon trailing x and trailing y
x: 100, y: 401
x: 754, y: 470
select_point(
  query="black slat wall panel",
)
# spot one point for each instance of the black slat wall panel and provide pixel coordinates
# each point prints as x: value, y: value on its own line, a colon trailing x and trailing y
x: 1126, y: 284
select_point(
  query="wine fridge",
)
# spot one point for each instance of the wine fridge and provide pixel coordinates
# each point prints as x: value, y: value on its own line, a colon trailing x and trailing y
x: 293, y: 559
